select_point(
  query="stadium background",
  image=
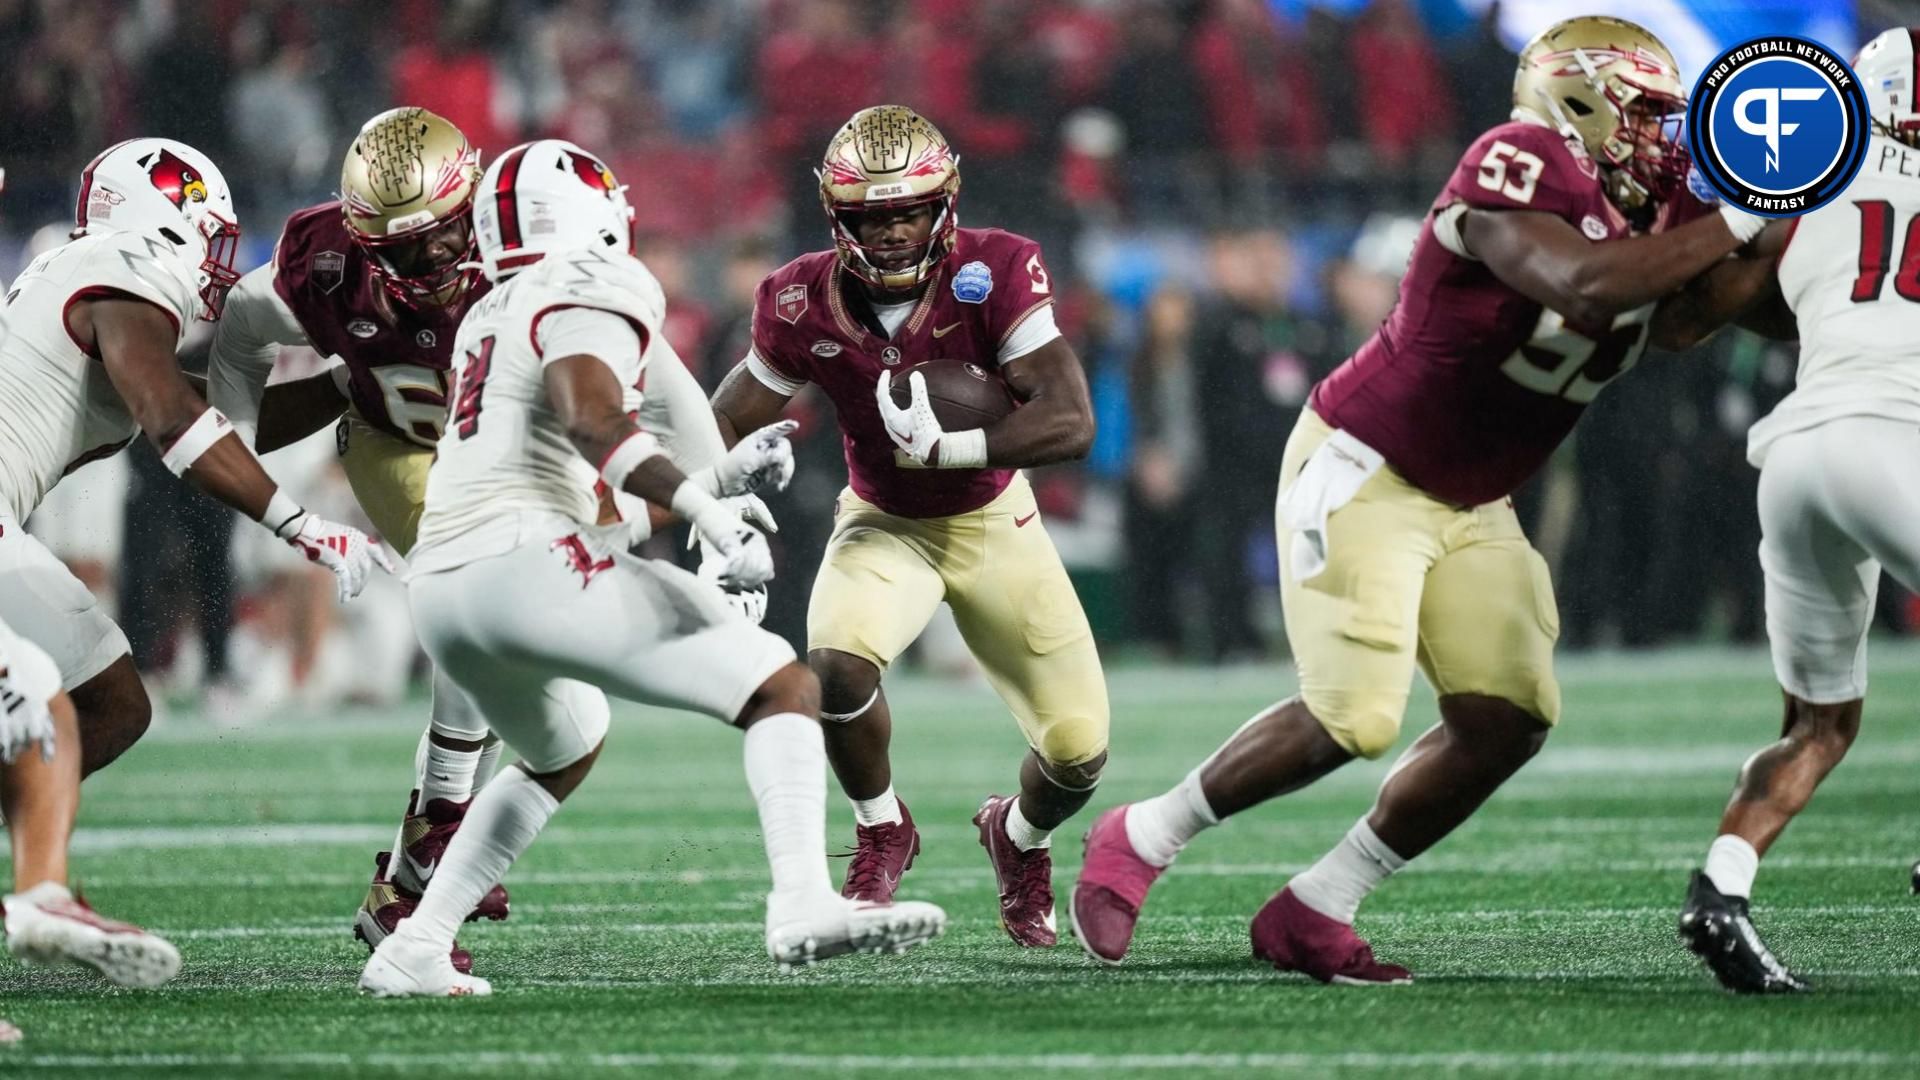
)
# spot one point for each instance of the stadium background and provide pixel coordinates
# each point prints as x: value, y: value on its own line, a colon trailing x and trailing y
x: 1227, y: 190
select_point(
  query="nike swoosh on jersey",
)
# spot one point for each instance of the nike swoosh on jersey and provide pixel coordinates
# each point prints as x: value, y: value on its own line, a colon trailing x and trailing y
x: 1020, y: 522
x: 943, y: 331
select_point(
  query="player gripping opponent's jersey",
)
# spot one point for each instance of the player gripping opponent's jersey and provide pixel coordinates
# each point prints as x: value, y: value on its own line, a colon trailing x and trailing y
x: 930, y: 514
x: 534, y: 611
x: 1533, y: 284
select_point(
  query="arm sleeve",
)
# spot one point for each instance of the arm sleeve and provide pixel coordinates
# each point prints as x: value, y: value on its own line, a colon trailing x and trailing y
x: 1034, y: 329
x: 246, y: 342
x: 576, y: 331
x: 676, y: 411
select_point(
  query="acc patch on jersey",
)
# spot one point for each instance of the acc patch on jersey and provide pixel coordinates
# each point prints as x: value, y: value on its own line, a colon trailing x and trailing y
x: 328, y: 269
x: 824, y: 347
x: 973, y: 282
x: 361, y: 328
x: 791, y: 303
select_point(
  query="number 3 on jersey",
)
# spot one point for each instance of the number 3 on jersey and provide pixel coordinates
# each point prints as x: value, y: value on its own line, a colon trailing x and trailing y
x: 473, y: 381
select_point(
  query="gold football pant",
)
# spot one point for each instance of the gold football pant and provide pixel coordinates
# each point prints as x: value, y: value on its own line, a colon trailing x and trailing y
x: 884, y: 575
x: 388, y: 475
x: 1411, y: 580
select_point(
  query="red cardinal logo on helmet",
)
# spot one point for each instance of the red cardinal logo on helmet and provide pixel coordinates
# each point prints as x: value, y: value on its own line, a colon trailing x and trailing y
x: 592, y: 172
x: 176, y: 179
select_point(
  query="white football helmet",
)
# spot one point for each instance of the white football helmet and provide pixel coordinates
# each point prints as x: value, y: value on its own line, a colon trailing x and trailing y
x: 168, y: 187
x: 1887, y: 74
x: 544, y: 197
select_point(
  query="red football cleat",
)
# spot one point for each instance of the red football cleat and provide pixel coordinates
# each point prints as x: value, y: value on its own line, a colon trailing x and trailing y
x: 1112, y: 888
x: 425, y: 837
x: 881, y: 854
x: 386, y: 904
x: 1025, y: 877
x: 1293, y: 937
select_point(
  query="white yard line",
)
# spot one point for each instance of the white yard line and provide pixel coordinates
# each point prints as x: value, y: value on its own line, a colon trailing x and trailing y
x: 1472, y: 1060
x: 324, y: 927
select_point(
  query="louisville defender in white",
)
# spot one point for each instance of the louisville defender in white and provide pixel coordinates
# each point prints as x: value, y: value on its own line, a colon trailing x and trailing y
x: 1839, y: 496
x: 534, y: 611
x: 39, y: 797
x: 88, y: 364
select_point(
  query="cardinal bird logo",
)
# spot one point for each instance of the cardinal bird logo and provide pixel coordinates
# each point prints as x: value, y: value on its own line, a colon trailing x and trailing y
x: 595, y: 175
x: 177, y: 180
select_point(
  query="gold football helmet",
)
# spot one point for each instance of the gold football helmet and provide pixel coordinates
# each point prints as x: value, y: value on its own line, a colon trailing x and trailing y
x: 889, y: 157
x: 1613, y: 87
x: 406, y: 191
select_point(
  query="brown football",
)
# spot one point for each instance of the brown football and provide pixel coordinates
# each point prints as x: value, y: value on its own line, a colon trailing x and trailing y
x: 963, y: 395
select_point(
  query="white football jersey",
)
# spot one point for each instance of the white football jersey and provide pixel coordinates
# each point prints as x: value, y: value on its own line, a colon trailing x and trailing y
x: 1851, y: 273
x: 58, y: 410
x: 505, y: 460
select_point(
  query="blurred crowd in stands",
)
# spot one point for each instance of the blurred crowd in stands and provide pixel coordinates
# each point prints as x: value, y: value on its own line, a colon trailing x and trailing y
x: 1227, y: 197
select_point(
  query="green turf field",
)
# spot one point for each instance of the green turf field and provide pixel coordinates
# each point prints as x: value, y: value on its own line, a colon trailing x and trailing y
x: 1542, y: 933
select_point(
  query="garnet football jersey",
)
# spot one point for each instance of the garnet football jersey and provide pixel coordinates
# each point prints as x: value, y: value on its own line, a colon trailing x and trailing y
x: 812, y: 325
x: 58, y: 409
x: 397, y: 356
x: 1469, y: 386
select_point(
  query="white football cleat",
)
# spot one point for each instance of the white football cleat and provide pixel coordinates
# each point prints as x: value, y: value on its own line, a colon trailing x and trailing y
x: 49, y: 925
x: 403, y: 968
x: 801, y: 933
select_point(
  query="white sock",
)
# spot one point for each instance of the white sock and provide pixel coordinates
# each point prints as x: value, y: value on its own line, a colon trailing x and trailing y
x: 448, y: 774
x: 1343, y: 877
x: 882, y: 809
x: 1025, y: 835
x: 500, y: 824
x: 1159, y: 827
x: 1731, y: 865
x: 47, y: 892
x: 489, y: 762
x: 787, y: 773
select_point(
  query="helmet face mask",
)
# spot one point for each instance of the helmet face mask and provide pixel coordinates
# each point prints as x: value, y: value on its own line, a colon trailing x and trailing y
x: 434, y: 266
x: 408, y: 180
x: 889, y: 159
x: 1613, y: 87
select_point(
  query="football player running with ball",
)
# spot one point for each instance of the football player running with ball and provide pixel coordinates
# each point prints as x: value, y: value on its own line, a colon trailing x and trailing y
x: 88, y: 364
x: 1533, y: 284
x: 1839, y: 501
x: 932, y: 514
x: 534, y: 610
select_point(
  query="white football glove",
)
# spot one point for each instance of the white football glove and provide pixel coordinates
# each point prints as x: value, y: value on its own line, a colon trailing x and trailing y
x: 342, y: 549
x: 761, y: 460
x: 914, y: 429
x: 743, y: 560
x: 24, y: 718
x: 750, y: 603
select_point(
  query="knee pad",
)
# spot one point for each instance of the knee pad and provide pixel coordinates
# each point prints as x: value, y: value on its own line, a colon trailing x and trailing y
x: 1366, y: 723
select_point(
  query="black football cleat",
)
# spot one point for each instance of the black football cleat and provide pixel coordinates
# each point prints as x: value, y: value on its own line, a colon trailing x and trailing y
x: 1916, y: 879
x: 1718, y: 929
